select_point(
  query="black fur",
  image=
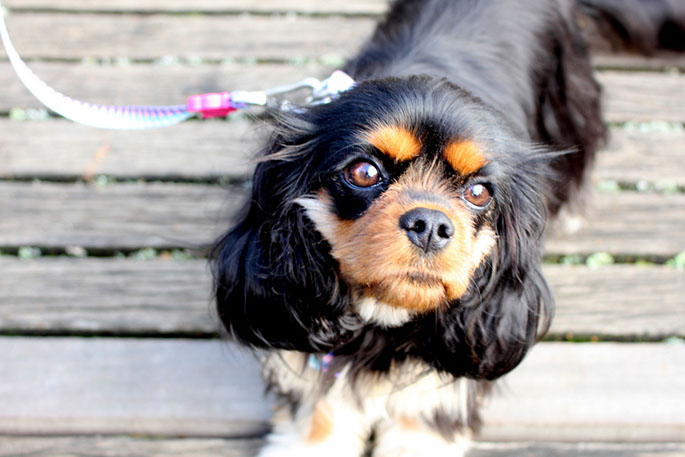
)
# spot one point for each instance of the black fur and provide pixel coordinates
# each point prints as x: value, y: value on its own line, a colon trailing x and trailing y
x: 513, y: 73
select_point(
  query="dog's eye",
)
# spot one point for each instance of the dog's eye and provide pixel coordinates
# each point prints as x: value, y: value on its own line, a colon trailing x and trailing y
x: 478, y: 195
x: 362, y: 174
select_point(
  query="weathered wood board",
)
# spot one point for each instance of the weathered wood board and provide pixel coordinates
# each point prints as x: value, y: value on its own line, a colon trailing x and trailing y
x: 260, y: 38
x: 354, y: 7
x: 130, y: 216
x: 190, y: 151
x: 628, y: 96
x: 101, y: 446
x: 126, y: 386
x: 213, y: 150
x: 613, y: 392
x: 73, y: 396
x: 562, y: 391
x: 170, y: 297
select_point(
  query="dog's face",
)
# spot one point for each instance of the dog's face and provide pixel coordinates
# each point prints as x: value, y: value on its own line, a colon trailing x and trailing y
x: 403, y: 202
x: 406, y: 210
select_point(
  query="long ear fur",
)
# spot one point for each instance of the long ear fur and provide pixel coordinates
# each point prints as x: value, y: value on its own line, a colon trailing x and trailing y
x: 511, y: 305
x: 275, y: 286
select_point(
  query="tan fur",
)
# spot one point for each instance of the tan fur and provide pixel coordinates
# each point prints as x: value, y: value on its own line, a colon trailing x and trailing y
x: 322, y: 425
x: 376, y: 256
x: 466, y: 157
x: 395, y: 142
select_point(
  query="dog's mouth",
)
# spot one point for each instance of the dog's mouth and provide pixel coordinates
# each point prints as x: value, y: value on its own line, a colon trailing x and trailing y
x: 416, y: 291
x: 421, y: 278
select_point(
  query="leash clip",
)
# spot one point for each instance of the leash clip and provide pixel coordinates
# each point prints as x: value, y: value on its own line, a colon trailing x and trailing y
x: 219, y: 104
x: 321, y: 92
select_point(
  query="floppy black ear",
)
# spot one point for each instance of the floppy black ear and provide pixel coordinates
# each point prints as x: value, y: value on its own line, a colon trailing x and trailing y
x: 510, y: 305
x: 275, y: 281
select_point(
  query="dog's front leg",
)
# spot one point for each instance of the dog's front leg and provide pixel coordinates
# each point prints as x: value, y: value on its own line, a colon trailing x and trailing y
x: 328, y: 427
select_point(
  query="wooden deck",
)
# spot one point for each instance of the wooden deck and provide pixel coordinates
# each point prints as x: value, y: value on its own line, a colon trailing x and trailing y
x: 108, y: 342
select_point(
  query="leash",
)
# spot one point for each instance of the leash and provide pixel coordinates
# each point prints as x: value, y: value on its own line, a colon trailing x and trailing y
x: 136, y: 117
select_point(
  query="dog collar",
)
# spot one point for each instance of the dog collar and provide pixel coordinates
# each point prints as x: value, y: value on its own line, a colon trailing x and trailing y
x: 217, y: 104
x: 321, y: 363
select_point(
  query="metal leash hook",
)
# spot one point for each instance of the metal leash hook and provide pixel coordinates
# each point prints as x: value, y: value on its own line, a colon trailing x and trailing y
x: 217, y: 104
x: 220, y: 104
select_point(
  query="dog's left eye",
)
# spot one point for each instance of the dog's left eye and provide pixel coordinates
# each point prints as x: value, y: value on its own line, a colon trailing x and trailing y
x: 478, y: 195
x: 362, y: 174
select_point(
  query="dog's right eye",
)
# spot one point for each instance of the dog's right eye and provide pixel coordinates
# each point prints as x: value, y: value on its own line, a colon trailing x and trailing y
x: 362, y: 174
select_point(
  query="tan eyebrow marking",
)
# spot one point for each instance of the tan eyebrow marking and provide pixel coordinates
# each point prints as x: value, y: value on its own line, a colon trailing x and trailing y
x: 396, y: 142
x: 466, y: 157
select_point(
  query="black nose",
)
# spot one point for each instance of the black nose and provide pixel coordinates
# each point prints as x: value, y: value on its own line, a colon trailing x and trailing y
x: 429, y: 229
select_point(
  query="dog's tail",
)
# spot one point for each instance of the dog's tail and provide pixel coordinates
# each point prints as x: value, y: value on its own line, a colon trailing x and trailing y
x: 638, y: 25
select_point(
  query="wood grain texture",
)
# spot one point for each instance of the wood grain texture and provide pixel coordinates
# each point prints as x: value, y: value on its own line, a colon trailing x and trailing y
x: 212, y: 150
x: 632, y: 157
x: 126, y: 386
x: 117, y: 446
x: 208, y: 6
x: 484, y: 449
x: 637, y: 96
x: 375, y: 8
x: 626, y: 223
x: 600, y: 392
x: 192, y: 150
x: 99, y: 446
x: 65, y: 36
x: 129, y: 216
x: 627, y: 95
x: 106, y: 295
x: 171, y: 297
x: 617, y: 301
x: 121, y: 216
x: 594, y: 392
x: 147, y: 84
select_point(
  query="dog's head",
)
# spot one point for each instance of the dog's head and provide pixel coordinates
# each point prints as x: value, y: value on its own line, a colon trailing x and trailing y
x: 403, y: 204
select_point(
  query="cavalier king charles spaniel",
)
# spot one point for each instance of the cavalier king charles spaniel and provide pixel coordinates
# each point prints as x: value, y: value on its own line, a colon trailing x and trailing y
x: 387, y: 265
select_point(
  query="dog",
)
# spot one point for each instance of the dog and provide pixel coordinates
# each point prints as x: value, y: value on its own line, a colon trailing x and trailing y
x: 387, y: 266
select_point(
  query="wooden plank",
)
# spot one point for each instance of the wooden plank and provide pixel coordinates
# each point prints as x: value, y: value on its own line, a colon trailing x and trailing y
x: 212, y: 150
x: 587, y: 392
x: 77, y: 151
x: 628, y: 94
x: 130, y: 216
x: 147, y: 84
x: 354, y: 7
x: 626, y: 223
x: 125, y: 446
x: 171, y: 297
x: 619, y: 301
x: 124, y: 386
x: 484, y: 449
x: 107, y: 446
x: 192, y: 150
x: 122, y: 216
x: 106, y: 296
x: 640, y: 96
x: 64, y: 36
x: 631, y: 157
